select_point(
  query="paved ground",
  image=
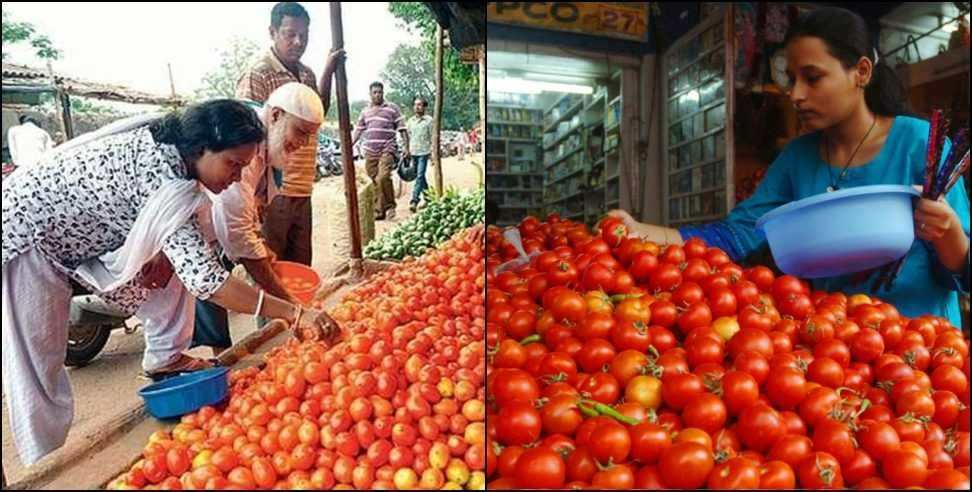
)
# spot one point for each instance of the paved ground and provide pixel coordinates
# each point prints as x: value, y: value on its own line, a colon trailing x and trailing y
x: 109, y: 385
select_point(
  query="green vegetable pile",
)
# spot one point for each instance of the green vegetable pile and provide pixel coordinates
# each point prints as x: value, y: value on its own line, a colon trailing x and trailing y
x: 431, y: 226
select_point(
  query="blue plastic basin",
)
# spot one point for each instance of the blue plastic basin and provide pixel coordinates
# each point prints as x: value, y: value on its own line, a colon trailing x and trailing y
x: 843, y: 232
x: 180, y: 395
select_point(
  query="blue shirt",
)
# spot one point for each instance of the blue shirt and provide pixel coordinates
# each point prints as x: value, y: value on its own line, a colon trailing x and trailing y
x: 923, y: 286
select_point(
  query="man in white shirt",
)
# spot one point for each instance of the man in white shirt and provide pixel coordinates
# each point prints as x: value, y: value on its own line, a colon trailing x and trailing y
x: 28, y: 141
x: 420, y: 147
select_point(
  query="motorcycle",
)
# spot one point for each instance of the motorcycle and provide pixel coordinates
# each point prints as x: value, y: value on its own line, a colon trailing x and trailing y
x: 90, y: 324
x: 328, y: 157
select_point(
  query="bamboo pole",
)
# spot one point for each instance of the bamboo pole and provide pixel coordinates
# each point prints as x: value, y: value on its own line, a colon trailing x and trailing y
x: 482, y: 108
x: 63, y: 101
x: 437, y: 121
x: 347, y: 153
x: 171, y: 80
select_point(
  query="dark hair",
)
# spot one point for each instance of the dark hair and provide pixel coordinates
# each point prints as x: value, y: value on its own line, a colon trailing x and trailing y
x: 425, y: 102
x: 24, y: 118
x: 287, y: 9
x: 848, y: 38
x: 215, y: 125
x: 376, y: 84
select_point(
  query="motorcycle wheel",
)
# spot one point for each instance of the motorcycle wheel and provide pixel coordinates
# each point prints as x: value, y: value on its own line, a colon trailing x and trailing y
x: 85, y: 343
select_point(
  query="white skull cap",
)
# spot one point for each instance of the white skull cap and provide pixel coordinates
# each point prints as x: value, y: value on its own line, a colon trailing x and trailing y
x: 298, y: 100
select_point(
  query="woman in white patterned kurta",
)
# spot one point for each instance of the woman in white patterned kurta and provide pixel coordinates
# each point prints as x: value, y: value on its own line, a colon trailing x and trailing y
x: 80, y: 204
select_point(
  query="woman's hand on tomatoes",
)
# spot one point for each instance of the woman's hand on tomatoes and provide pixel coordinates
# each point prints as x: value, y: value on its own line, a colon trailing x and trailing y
x: 633, y: 225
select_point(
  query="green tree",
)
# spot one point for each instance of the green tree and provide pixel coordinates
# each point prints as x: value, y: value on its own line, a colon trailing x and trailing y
x: 17, y: 32
x: 233, y: 61
x: 409, y: 73
x: 461, y: 80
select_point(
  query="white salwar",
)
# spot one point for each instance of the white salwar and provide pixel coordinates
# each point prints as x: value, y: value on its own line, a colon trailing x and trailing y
x: 35, y: 335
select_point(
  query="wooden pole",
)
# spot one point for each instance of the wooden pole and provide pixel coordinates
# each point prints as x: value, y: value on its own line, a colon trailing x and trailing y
x: 437, y: 121
x: 347, y: 153
x: 61, y: 99
x: 65, y: 100
x: 171, y: 80
x: 482, y: 104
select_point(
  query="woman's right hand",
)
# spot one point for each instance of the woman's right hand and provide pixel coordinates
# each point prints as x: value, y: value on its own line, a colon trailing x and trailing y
x: 633, y: 225
x: 657, y: 234
x: 318, y: 325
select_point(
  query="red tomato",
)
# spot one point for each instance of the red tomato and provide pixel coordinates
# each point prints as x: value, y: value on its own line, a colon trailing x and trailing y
x: 826, y: 371
x: 560, y: 415
x: 759, y: 427
x: 540, y: 468
x: 685, y: 465
x: 776, y: 475
x: 753, y: 364
x: 595, y: 354
x: 679, y: 389
x: 947, y: 480
x: 602, y: 387
x: 786, y: 387
x: 610, y: 442
x: 614, y: 477
x: 820, y: 471
x: 859, y: 468
x: 877, y: 438
x: 817, y: 405
x: 736, y: 473
x: 706, y: 412
x: 513, y: 384
x: 867, y: 345
x: 791, y: 449
x: 581, y: 465
x: 518, y: 423
x: 904, y: 469
x: 739, y: 390
x: 648, y: 441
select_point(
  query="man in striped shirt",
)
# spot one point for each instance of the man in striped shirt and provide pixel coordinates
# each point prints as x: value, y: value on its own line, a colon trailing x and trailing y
x: 378, y: 126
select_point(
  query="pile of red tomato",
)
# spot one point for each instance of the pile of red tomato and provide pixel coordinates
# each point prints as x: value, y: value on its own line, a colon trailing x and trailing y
x: 618, y: 363
x: 399, y: 403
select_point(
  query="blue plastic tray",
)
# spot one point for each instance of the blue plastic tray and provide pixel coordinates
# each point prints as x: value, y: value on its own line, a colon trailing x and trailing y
x: 843, y: 232
x: 180, y: 395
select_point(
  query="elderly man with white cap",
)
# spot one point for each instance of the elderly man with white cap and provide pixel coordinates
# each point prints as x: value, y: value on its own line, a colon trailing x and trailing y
x: 291, y: 113
x: 102, y: 207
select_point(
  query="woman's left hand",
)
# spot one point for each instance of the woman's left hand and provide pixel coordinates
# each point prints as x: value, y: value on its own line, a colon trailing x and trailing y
x: 934, y: 219
x: 937, y: 223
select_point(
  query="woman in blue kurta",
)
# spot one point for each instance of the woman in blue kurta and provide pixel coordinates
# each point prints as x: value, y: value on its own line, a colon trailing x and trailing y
x: 861, y: 135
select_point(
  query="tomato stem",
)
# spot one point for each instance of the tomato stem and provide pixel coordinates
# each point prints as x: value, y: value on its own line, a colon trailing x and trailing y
x: 653, y: 352
x: 530, y: 339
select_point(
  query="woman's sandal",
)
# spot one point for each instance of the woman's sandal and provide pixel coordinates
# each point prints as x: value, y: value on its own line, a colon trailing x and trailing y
x: 184, y: 364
